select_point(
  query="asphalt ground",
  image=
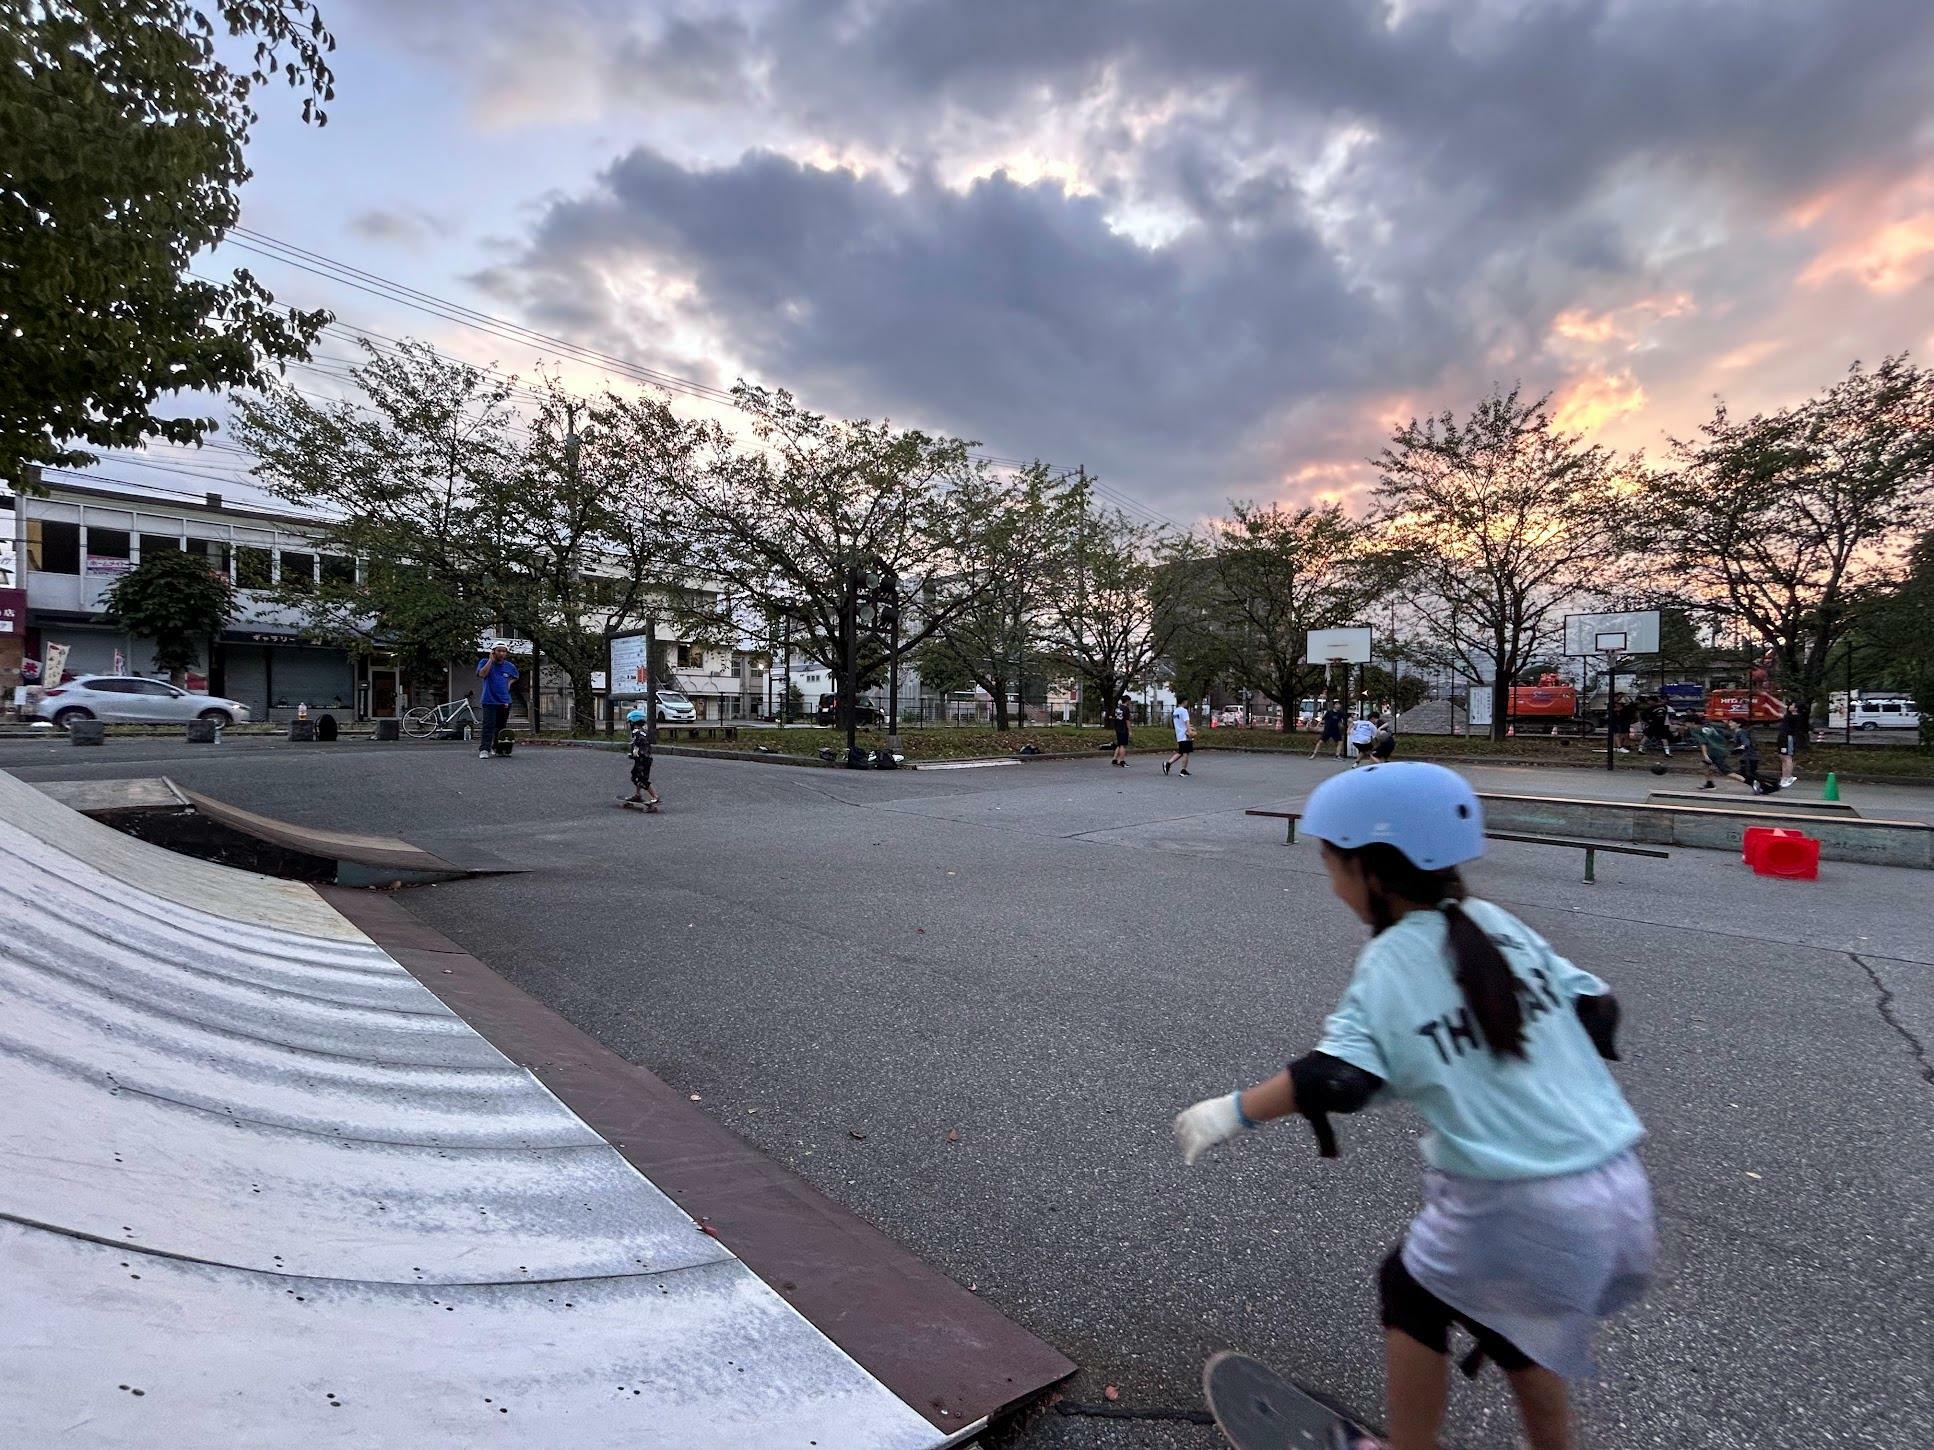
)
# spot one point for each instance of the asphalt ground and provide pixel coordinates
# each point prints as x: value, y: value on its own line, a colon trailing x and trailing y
x: 1048, y: 961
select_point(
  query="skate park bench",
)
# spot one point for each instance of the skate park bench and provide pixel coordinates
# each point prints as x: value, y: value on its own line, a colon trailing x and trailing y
x: 1590, y: 848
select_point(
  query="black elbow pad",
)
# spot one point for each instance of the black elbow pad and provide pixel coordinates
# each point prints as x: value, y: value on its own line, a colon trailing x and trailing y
x: 1326, y: 1085
x: 1599, y: 1017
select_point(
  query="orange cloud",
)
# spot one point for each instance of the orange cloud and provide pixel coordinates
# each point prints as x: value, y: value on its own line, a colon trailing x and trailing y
x: 1619, y: 324
x: 1890, y: 259
x: 1593, y: 401
x: 1747, y: 355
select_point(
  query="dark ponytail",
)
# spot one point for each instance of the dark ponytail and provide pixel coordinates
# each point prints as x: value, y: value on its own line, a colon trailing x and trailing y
x: 1490, y: 988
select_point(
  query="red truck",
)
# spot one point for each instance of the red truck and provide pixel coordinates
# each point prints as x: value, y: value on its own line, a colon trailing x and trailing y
x: 1755, y: 707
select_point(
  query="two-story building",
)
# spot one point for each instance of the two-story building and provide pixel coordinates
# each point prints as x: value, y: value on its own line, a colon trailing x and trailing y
x: 75, y: 539
x: 67, y: 544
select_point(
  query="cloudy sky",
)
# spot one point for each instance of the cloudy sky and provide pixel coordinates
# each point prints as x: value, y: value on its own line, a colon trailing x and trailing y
x: 1209, y: 250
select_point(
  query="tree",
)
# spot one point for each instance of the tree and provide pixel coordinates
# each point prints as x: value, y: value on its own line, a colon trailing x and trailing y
x: 400, y: 480
x: 1110, y: 607
x: 1274, y: 575
x: 1507, y: 519
x: 173, y: 598
x: 1006, y: 539
x: 1795, y: 522
x: 564, y: 528
x: 124, y: 146
x: 1897, y: 625
x: 780, y: 526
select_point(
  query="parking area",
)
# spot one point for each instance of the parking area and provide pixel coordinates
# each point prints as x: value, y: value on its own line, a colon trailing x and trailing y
x: 966, y: 1005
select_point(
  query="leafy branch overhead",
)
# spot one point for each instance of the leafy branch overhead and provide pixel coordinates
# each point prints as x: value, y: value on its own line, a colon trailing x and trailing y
x: 125, y: 131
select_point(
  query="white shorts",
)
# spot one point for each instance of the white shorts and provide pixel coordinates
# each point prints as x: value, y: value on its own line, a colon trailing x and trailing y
x: 1539, y: 1260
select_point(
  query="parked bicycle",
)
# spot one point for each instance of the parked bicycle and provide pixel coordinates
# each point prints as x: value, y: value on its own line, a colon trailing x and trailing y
x: 452, y: 717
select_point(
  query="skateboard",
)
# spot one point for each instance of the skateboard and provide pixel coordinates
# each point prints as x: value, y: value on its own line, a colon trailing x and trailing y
x: 504, y: 742
x: 1257, y: 1409
x: 650, y: 808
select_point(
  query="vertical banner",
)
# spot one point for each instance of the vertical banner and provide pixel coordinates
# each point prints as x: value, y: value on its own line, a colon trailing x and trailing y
x: 53, y: 664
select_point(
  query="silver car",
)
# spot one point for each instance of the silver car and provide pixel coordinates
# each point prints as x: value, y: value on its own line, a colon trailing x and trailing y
x: 134, y: 700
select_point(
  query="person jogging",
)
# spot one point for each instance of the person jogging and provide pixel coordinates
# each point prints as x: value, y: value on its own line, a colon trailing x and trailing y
x: 1332, y: 726
x: 496, y: 671
x: 1118, y: 717
x: 1184, y: 739
x: 1537, y: 1220
x: 1792, y: 740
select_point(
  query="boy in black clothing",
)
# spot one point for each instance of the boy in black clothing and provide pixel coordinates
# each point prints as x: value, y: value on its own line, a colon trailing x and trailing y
x: 641, y: 792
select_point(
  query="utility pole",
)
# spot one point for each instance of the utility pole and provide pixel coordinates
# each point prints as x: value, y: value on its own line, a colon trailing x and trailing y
x: 849, y: 658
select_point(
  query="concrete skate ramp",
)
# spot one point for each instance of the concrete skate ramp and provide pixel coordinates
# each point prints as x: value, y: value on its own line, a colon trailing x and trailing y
x: 258, y: 1186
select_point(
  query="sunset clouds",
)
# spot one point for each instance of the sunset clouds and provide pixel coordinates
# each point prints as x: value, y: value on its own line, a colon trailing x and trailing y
x: 1200, y: 249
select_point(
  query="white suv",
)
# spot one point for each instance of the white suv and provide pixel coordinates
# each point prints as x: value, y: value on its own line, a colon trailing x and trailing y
x: 134, y: 700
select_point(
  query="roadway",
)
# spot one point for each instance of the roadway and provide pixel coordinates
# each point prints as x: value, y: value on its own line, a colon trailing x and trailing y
x: 966, y: 1004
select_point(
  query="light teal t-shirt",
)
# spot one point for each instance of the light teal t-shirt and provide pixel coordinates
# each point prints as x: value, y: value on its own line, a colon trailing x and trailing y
x: 1404, y: 1018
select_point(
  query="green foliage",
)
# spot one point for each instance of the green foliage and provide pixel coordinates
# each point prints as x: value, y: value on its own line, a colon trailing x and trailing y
x: 1508, y: 521
x: 1795, y: 522
x: 123, y: 159
x: 565, y: 530
x: 795, y: 702
x: 942, y: 670
x: 1007, y: 542
x: 1278, y: 573
x: 1900, y: 627
x: 1111, y: 605
x: 174, y: 599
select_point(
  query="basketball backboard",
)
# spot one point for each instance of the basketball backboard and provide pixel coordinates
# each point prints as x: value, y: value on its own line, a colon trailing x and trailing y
x: 1349, y: 646
x: 1630, y: 632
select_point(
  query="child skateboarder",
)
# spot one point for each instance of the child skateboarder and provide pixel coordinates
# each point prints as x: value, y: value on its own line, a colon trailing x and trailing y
x: 1537, y: 1218
x: 642, y: 795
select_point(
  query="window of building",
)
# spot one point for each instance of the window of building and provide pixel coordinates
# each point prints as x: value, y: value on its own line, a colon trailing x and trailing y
x: 157, y: 543
x: 337, y: 571
x: 691, y: 657
x: 252, y: 568
x: 53, y: 547
x: 106, y: 544
x: 298, y: 570
x: 214, y: 551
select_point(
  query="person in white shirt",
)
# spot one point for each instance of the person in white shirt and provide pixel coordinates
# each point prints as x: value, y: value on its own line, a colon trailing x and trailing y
x: 1184, y: 739
x: 1362, y: 732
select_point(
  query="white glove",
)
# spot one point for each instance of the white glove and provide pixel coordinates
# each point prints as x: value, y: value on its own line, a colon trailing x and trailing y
x: 1211, y: 1121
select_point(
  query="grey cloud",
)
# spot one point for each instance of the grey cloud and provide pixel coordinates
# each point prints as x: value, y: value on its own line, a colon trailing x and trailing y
x: 1010, y: 313
x: 405, y: 226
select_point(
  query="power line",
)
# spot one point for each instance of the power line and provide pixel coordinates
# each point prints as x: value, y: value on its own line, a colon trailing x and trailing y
x: 318, y: 264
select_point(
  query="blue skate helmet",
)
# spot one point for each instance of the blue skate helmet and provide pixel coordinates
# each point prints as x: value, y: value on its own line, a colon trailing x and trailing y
x: 636, y: 717
x: 1428, y: 813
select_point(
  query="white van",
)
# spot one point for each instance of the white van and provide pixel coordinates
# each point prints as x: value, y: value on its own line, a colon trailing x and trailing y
x: 1873, y: 712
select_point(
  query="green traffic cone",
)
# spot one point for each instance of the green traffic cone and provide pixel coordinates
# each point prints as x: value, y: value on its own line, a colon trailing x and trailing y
x: 1832, y: 790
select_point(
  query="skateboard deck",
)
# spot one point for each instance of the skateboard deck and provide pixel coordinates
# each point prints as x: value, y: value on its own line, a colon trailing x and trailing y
x: 1257, y: 1409
x: 648, y: 807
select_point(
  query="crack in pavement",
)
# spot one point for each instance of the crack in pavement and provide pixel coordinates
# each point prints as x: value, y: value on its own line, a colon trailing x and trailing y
x: 1884, y: 1004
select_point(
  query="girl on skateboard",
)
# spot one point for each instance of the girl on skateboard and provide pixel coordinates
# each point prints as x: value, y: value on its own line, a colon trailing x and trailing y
x: 1537, y: 1218
x: 641, y: 792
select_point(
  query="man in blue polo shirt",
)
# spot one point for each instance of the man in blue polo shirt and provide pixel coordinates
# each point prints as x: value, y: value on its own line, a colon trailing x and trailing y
x: 496, y: 671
